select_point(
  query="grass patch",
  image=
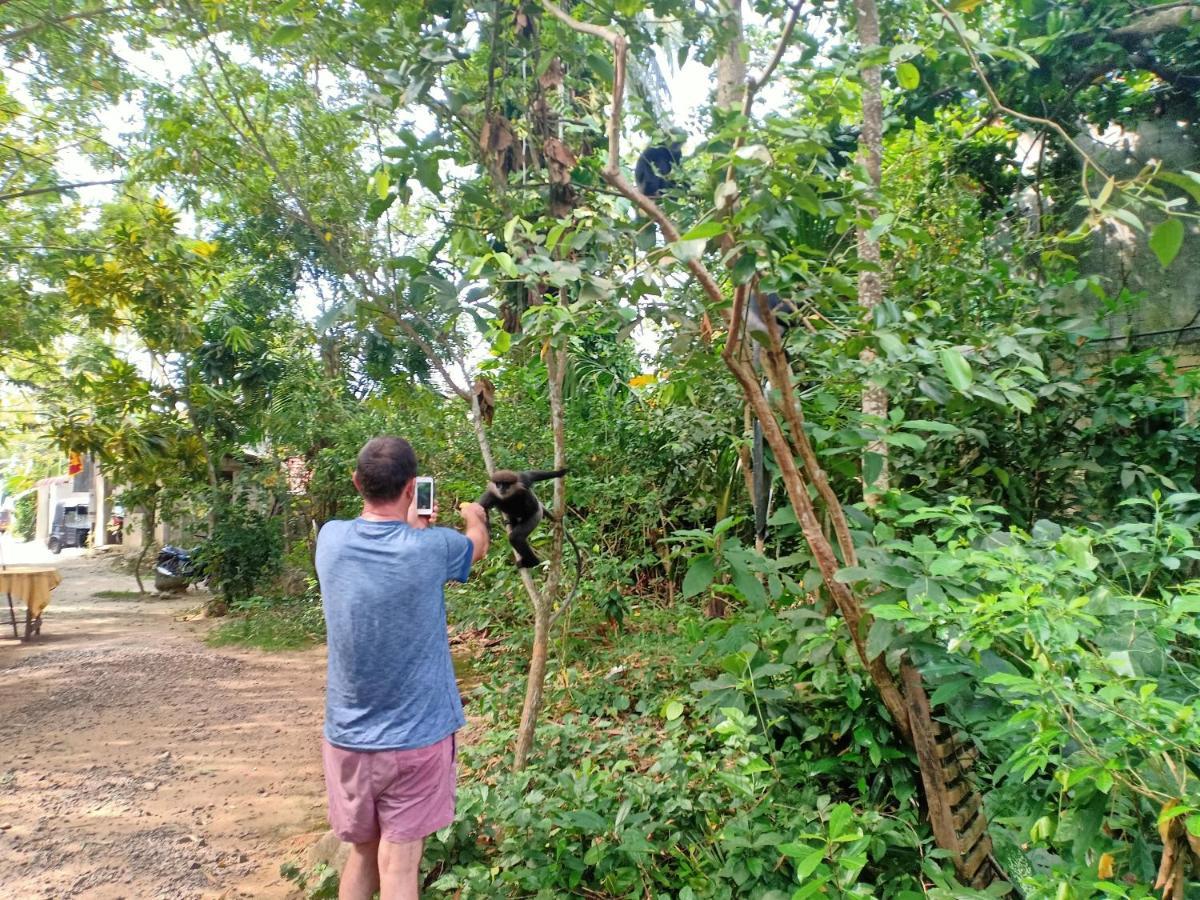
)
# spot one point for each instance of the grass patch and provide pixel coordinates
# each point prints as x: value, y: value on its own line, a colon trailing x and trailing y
x: 120, y: 595
x: 284, y: 625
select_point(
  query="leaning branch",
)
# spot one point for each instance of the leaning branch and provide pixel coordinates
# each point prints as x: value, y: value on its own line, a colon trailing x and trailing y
x: 755, y: 84
x: 57, y: 189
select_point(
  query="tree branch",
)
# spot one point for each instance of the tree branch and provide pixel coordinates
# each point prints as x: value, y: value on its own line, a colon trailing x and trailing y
x: 58, y: 188
x: 18, y: 33
x: 754, y: 85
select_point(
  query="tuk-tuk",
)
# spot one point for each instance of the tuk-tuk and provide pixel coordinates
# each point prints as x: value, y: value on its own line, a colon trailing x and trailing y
x: 70, y: 526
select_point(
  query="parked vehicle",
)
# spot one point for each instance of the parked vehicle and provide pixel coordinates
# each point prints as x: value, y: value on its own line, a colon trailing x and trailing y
x: 70, y: 526
x: 6, y: 517
x: 177, y: 568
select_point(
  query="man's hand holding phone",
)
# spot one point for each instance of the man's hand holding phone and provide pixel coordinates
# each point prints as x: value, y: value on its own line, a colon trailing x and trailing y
x: 424, y: 509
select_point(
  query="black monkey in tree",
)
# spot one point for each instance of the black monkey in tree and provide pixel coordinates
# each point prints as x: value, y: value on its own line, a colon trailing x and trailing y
x: 653, y: 169
x: 512, y: 493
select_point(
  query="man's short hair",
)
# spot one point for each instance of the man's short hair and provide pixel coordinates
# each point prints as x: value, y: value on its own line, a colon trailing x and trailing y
x: 385, y: 467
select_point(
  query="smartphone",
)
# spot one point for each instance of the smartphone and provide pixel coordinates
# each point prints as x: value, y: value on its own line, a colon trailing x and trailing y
x: 424, y: 495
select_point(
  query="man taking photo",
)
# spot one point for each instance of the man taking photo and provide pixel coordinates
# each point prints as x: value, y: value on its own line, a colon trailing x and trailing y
x: 392, y: 704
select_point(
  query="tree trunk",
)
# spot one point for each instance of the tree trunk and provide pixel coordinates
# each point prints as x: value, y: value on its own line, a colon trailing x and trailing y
x: 731, y: 65
x: 537, y: 676
x: 561, y: 204
x: 870, y: 279
x: 543, y: 600
x: 149, y: 521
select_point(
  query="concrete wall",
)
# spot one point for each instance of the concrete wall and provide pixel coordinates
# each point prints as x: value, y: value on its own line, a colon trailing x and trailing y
x: 1166, y: 313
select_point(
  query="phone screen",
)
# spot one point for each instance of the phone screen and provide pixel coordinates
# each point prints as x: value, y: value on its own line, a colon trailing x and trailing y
x: 425, y: 495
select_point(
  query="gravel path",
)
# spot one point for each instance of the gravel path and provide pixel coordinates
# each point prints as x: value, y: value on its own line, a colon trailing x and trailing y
x: 136, y: 762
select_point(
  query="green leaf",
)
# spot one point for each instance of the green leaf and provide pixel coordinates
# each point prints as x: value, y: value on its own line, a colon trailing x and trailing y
x: 809, y: 864
x: 904, y: 51
x: 880, y: 226
x: 501, y: 343
x: 928, y: 425
x: 286, y: 34
x: 945, y: 565
x: 908, y: 75
x: 1121, y: 663
x: 704, y: 231
x: 587, y: 820
x: 806, y: 198
x: 794, y: 849
x: 1165, y: 241
x: 904, y: 439
x: 956, y: 367
x: 506, y: 264
x: 889, y: 343
x: 1192, y: 186
x: 1127, y: 217
x: 1019, y: 400
x: 850, y: 574
x: 699, y: 575
x: 880, y: 637
x: 750, y: 587
x: 672, y: 710
x: 1079, y: 549
x: 839, y: 818
x: 872, y: 466
x: 687, y: 251
x: 1186, y: 606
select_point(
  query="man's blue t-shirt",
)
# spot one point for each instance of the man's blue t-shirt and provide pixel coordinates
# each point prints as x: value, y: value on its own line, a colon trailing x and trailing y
x: 391, y: 680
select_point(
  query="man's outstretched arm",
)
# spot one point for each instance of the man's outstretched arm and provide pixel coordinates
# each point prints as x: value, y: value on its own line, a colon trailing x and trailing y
x: 476, y: 529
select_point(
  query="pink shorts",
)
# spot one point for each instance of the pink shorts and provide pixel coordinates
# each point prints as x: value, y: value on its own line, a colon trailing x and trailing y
x: 399, y: 795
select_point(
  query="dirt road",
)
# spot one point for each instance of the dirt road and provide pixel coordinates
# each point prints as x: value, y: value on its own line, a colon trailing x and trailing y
x: 136, y: 762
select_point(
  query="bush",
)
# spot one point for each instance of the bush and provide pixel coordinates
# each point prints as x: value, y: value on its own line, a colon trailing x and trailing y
x: 25, y: 516
x: 245, y: 551
x: 1071, y: 657
x: 668, y: 806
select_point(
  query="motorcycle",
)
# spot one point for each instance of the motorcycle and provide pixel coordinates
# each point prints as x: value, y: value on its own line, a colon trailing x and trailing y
x: 177, y: 568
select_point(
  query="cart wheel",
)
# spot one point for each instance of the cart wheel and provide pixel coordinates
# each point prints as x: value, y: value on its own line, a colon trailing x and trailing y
x: 54, y: 545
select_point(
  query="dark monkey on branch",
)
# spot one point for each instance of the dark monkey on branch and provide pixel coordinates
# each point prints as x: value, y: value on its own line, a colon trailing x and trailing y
x: 512, y: 493
x: 653, y: 170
